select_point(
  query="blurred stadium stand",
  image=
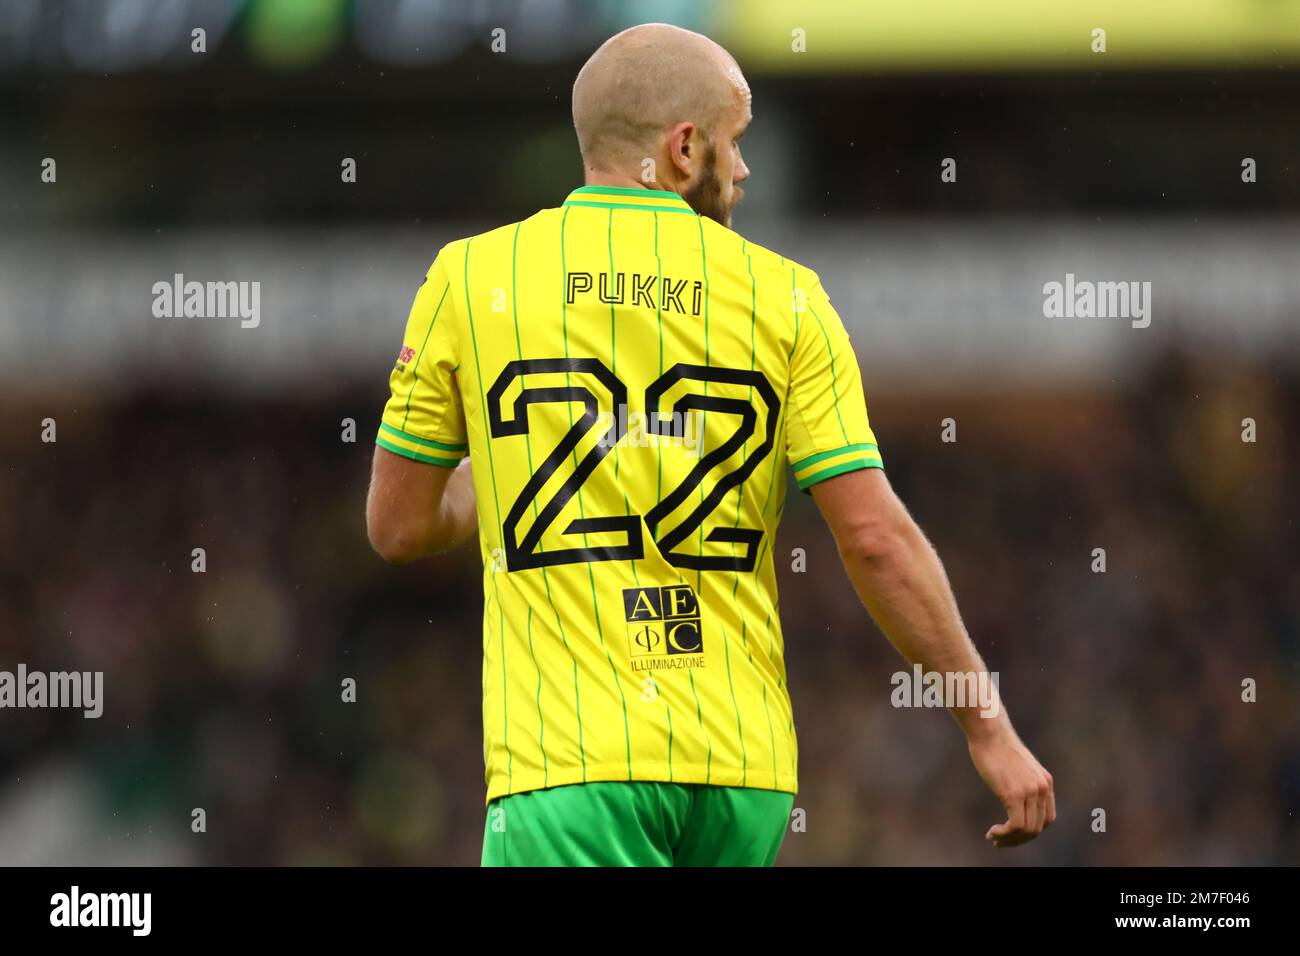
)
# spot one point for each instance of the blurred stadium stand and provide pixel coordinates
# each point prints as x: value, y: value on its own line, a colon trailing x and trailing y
x: 223, y: 688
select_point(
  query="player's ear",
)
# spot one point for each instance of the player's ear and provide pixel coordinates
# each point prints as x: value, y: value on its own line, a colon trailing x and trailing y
x: 682, y: 147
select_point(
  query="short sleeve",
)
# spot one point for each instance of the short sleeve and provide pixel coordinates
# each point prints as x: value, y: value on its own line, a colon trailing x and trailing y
x: 827, y: 431
x: 424, y: 419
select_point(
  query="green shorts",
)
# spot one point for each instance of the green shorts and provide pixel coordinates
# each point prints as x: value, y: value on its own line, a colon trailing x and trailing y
x: 637, y: 823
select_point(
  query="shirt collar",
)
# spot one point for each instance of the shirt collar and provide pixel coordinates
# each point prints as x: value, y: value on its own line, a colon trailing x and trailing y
x: 628, y: 197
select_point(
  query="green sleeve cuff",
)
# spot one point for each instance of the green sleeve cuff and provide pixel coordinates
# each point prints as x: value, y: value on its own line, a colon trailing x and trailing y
x: 443, y: 454
x: 827, y: 464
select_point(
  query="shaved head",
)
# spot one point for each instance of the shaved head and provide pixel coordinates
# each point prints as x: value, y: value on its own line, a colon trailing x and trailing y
x: 644, y: 83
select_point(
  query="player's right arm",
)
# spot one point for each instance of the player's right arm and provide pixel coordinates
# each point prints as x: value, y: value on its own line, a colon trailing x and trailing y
x: 415, y: 509
x: 894, y: 569
x: 421, y: 498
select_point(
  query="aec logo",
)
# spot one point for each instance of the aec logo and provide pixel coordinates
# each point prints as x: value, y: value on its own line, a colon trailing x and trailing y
x: 663, y: 620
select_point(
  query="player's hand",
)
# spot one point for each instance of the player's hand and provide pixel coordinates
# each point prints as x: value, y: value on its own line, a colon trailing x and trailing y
x: 1019, y: 782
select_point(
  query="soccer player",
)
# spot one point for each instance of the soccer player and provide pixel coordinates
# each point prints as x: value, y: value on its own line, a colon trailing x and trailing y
x: 630, y: 380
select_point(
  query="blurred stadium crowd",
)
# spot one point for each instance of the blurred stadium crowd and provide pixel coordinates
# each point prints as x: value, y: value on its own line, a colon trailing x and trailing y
x: 223, y: 688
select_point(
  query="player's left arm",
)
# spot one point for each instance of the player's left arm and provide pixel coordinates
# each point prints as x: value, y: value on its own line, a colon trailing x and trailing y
x: 891, y: 564
x: 421, y: 498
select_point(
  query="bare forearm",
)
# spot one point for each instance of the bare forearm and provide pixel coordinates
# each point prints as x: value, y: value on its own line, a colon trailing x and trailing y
x: 904, y: 587
x: 902, y: 583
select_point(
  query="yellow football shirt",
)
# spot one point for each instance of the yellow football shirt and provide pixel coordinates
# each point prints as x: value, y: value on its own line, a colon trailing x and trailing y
x: 630, y: 381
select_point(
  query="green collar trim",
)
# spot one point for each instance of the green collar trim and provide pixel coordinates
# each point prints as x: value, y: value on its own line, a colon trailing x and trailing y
x: 628, y: 197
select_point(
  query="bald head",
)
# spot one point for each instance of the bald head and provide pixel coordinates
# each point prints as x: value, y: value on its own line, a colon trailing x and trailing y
x: 643, y: 82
